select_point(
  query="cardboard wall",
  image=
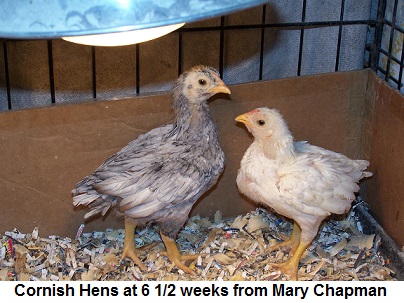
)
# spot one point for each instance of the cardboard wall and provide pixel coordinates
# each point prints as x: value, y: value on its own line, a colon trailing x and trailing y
x: 46, y: 151
x: 383, y: 144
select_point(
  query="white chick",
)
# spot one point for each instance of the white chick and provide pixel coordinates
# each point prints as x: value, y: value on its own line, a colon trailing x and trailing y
x: 300, y: 181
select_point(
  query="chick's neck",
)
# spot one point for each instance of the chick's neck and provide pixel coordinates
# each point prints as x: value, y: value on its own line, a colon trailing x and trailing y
x: 278, y: 147
x: 193, y: 120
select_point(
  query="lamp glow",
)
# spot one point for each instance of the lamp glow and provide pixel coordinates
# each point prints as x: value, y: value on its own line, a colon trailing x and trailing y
x: 124, y: 38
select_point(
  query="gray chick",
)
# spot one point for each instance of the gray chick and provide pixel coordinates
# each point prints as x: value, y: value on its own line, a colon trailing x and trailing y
x: 157, y: 178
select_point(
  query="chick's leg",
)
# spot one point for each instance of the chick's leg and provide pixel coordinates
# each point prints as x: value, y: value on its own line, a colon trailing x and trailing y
x: 307, y: 234
x: 290, y: 267
x: 129, y: 245
x: 293, y: 241
x: 175, y: 256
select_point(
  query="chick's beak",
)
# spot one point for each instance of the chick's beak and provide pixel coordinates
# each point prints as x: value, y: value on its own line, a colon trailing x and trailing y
x: 220, y: 88
x: 243, y: 119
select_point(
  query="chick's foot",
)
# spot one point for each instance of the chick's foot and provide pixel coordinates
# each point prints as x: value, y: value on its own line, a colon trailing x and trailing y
x: 290, y: 267
x: 293, y: 241
x: 175, y: 256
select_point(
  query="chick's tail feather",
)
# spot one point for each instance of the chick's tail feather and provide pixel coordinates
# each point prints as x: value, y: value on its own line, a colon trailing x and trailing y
x: 84, y: 194
x: 362, y: 165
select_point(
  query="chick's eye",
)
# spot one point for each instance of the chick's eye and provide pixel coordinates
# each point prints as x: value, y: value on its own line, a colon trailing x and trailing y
x: 202, y: 81
x: 261, y: 122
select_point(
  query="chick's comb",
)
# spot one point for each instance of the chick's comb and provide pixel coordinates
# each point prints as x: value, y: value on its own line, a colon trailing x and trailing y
x: 254, y: 111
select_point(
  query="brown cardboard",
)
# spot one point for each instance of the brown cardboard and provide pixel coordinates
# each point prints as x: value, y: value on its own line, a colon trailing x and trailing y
x: 45, y: 151
x: 383, y: 144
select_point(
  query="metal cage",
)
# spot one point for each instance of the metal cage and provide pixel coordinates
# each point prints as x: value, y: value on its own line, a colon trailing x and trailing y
x: 382, y: 49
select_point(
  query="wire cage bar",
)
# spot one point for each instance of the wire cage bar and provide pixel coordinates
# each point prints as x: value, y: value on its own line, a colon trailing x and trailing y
x: 380, y: 49
x: 390, y: 57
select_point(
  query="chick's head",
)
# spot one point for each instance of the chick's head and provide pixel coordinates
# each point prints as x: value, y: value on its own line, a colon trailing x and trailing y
x: 265, y: 124
x: 199, y: 84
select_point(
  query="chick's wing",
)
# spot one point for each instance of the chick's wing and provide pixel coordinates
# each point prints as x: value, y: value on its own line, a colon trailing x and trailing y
x: 154, y: 177
x: 316, y: 183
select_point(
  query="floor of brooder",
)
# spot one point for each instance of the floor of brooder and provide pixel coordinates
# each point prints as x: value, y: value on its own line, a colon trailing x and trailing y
x: 234, y: 249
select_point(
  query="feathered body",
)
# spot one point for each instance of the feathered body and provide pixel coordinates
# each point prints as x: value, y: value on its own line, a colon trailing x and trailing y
x: 303, y: 182
x: 158, y: 177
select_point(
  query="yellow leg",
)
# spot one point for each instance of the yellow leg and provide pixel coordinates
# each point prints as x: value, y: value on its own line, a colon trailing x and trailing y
x: 129, y: 245
x: 175, y: 256
x: 290, y: 267
x: 293, y: 241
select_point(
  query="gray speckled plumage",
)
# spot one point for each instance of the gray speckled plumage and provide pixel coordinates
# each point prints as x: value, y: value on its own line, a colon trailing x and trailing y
x: 158, y: 176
